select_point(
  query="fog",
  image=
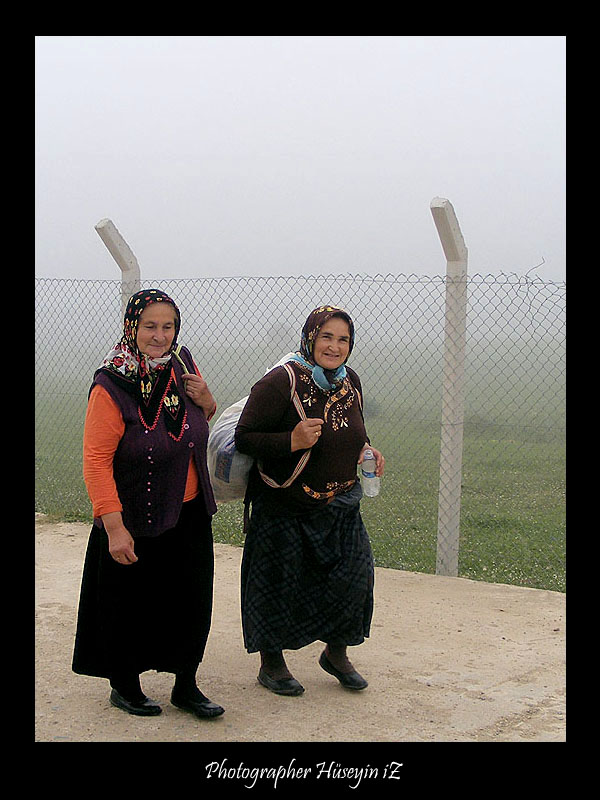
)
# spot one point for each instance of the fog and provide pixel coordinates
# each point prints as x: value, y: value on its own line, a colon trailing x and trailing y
x: 297, y: 155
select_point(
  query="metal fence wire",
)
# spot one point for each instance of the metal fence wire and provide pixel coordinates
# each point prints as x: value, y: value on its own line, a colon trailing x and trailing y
x: 513, y: 460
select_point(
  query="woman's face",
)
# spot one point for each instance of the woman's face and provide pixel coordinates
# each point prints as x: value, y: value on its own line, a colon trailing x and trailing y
x: 332, y: 345
x: 156, y: 329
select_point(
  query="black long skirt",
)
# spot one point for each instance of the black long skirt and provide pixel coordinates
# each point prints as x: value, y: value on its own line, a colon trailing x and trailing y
x: 307, y: 577
x: 153, y: 614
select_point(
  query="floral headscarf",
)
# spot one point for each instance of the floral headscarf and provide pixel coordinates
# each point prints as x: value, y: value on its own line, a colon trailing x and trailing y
x: 324, y: 378
x: 150, y: 380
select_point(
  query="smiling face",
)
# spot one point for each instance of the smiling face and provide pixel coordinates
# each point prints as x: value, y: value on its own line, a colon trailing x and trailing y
x: 332, y: 345
x: 156, y: 329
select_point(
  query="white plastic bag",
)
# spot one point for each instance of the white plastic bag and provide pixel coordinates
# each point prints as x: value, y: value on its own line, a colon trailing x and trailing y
x: 227, y: 468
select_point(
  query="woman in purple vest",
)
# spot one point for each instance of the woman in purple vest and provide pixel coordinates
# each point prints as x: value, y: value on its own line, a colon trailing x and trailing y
x: 147, y: 585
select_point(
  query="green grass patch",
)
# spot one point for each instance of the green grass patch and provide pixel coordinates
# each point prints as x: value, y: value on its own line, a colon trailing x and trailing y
x: 513, y: 496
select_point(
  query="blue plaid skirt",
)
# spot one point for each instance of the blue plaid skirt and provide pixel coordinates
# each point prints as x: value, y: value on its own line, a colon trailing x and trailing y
x: 307, y: 577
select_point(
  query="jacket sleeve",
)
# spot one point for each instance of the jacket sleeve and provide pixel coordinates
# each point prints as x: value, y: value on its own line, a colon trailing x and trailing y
x: 355, y: 381
x: 261, y: 432
x: 103, y: 430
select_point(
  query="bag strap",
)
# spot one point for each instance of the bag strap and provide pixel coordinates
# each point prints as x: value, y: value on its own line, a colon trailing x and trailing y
x: 302, y: 414
x: 176, y: 352
x: 191, y: 368
x: 293, y: 394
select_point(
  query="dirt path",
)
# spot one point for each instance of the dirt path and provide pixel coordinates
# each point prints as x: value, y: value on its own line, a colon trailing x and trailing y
x: 449, y: 660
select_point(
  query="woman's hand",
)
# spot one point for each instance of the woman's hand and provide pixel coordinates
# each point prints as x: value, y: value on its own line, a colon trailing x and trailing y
x: 306, y: 434
x: 120, y: 541
x: 197, y: 390
x: 379, y: 459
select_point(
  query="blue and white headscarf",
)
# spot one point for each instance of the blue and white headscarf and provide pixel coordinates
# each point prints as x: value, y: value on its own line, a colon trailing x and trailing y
x: 325, y: 379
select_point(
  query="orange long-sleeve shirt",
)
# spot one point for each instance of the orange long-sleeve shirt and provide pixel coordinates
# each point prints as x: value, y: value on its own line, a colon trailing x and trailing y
x: 104, y: 427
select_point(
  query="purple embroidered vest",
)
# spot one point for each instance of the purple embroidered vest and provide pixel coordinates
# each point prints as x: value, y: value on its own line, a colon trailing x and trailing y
x: 150, y: 468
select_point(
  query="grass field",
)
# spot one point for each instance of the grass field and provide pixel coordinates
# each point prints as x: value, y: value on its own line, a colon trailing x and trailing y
x: 513, y: 499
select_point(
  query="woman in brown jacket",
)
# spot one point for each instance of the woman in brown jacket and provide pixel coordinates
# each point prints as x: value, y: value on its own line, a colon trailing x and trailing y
x: 307, y: 569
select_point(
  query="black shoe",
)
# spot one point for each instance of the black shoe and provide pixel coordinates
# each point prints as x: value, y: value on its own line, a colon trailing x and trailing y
x: 200, y: 706
x: 351, y: 680
x: 286, y: 686
x: 141, y: 708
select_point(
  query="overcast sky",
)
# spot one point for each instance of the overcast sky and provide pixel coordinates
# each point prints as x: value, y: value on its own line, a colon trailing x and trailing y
x: 291, y: 155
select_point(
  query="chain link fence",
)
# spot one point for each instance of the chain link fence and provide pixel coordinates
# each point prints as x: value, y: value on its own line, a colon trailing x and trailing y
x: 512, y: 517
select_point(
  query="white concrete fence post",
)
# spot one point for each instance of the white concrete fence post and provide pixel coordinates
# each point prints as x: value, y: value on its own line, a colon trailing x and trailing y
x: 452, y: 429
x: 122, y: 254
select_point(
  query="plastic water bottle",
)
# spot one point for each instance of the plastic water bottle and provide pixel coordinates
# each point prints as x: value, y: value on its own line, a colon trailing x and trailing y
x: 370, y: 482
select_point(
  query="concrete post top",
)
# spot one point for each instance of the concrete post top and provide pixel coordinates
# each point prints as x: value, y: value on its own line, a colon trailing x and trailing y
x: 448, y: 229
